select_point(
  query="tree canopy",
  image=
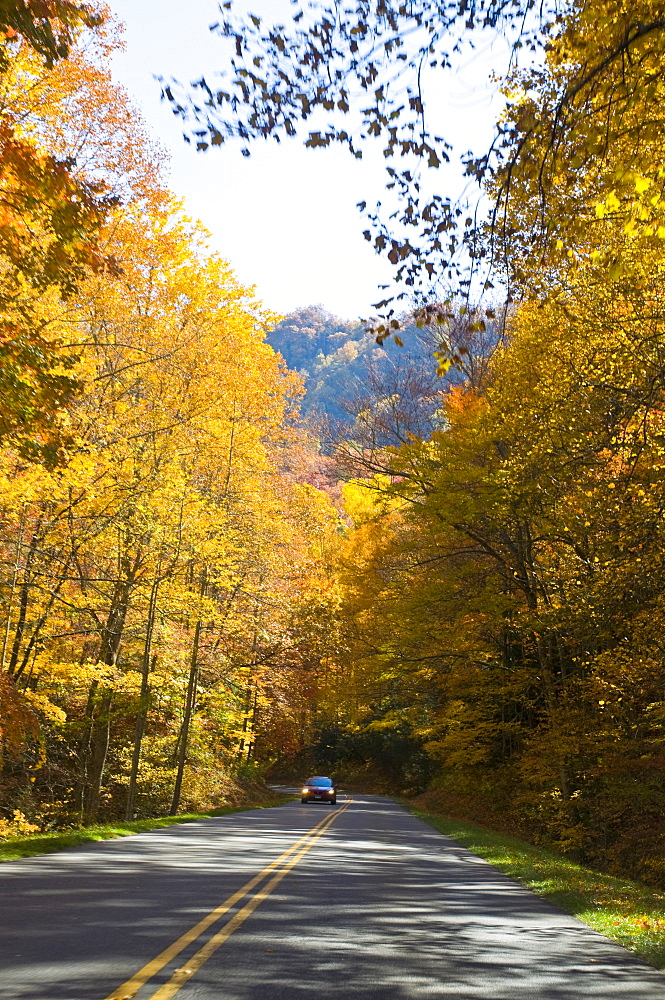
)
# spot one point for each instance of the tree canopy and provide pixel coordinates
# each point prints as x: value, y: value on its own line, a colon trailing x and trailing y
x: 165, y: 582
x: 463, y: 591
x: 53, y: 210
x: 581, y: 87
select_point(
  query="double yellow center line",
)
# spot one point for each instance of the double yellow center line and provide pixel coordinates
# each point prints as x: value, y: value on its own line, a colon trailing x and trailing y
x: 282, y: 865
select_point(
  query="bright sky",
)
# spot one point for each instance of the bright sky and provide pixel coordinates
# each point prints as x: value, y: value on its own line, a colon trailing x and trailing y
x: 285, y: 218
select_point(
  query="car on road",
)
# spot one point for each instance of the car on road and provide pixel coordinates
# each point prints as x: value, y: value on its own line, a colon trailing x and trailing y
x: 319, y: 789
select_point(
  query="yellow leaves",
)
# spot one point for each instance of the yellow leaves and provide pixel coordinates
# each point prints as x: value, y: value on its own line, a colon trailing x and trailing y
x: 611, y: 204
x: 179, y: 514
x: 368, y: 500
x: 17, y: 826
x: 54, y: 675
x: 42, y: 704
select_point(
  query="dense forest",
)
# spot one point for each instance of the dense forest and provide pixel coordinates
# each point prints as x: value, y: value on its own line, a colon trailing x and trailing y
x: 165, y: 563
x: 341, y: 361
x: 429, y: 557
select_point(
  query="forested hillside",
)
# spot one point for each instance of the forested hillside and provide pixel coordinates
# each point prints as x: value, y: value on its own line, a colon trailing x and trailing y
x: 338, y: 359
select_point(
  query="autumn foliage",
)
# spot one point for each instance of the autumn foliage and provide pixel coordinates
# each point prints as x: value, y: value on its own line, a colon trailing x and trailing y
x: 504, y: 577
x: 479, y: 614
x: 164, y: 564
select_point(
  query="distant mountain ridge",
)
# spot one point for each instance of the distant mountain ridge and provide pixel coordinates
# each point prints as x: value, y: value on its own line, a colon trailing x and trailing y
x: 336, y: 357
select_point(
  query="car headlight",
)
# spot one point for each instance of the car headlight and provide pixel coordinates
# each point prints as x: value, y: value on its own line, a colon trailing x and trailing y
x: 331, y: 792
x: 305, y: 791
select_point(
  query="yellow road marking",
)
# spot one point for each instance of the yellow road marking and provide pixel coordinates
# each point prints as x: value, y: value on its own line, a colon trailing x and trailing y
x: 129, y: 988
x: 182, y: 976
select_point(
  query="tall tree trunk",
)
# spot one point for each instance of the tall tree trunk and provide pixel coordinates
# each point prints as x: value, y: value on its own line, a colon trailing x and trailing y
x: 108, y: 654
x: 97, y: 760
x: 12, y: 590
x: 85, y: 745
x: 246, y: 712
x: 251, y: 749
x: 246, y: 741
x: 24, y: 596
x: 190, y: 700
x: 144, y: 702
x: 189, y: 708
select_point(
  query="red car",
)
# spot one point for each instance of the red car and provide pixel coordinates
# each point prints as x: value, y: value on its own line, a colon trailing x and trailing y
x: 319, y: 790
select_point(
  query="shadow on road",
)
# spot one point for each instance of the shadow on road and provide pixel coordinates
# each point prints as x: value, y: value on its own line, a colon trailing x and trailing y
x: 381, y: 907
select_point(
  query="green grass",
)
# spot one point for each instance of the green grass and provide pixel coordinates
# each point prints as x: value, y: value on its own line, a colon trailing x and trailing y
x: 47, y: 843
x: 625, y: 911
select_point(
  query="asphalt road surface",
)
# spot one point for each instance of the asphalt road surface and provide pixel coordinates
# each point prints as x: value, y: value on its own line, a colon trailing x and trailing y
x: 360, y: 901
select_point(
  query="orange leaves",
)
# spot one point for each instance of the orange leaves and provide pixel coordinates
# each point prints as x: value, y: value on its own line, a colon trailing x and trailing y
x: 460, y: 400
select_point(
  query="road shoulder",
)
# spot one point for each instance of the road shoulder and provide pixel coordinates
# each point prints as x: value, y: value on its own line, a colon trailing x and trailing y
x: 625, y: 911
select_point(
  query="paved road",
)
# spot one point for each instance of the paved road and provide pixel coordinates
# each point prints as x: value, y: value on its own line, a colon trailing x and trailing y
x: 374, y: 905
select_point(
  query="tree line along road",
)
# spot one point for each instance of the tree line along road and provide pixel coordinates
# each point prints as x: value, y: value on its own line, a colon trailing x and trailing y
x: 360, y: 900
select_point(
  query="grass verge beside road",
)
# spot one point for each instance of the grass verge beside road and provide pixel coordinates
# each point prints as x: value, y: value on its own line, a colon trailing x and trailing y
x: 625, y: 911
x: 47, y: 843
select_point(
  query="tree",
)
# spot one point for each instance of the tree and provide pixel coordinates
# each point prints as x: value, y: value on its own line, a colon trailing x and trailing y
x: 503, y: 587
x: 148, y: 593
x: 359, y: 75
x: 586, y: 99
x: 52, y: 213
x: 579, y: 161
x: 48, y: 28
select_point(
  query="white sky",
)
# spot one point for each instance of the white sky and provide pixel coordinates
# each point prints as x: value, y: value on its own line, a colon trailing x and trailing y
x: 285, y: 218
